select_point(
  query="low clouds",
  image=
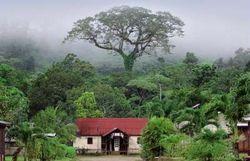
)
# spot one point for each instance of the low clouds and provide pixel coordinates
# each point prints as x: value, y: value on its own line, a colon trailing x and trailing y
x: 213, y: 28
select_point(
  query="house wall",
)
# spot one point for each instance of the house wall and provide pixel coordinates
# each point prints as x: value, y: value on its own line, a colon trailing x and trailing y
x: 242, y: 143
x: 2, y: 142
x: 82, y: 143
x: 133, y: 147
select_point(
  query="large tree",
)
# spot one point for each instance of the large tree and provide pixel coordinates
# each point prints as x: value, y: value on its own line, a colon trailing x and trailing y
x: 49, y: 89
x: 129, y: 31
x: 13, y: 104
x: 242, y: 97
x: 112, y: 101
x: 86, y: 106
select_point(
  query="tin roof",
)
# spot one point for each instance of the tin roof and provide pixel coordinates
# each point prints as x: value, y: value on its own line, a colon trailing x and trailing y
x: 4, y: 123
x: 102, y: 126
x: 242, y: 124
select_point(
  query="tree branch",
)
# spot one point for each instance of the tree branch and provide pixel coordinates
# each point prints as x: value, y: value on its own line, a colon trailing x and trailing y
x: 110, y: 47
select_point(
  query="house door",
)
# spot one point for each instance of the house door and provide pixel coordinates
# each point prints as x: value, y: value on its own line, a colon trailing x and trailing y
x: 116, y: 143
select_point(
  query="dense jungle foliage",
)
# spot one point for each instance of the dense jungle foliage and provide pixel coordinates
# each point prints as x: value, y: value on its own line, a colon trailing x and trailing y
x: 186, y: 91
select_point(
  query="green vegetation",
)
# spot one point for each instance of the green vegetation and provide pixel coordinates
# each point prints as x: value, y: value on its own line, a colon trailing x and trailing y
x: 9, y: 158
x: 86, y: 106
x: 46, y: 137
x: 179, y: 98
x: 189, y: 94
x: 157, y: 129
x: 210, y: 146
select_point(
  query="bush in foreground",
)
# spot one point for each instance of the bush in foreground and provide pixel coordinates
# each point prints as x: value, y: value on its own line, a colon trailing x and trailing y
x: 156, y: 129
x: 209, y: 146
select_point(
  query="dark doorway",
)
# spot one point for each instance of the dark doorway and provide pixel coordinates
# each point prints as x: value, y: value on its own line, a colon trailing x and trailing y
x: 115, y: 142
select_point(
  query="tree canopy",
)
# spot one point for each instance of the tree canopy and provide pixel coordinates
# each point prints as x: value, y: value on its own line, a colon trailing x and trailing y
x: 128, y: 31
x: 49, y: 89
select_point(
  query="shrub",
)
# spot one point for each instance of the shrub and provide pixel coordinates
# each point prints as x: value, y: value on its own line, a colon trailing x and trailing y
x: 48, y: 149
x: 211, y: 147
x: 156, y: 129
x: 51, y: 149
x: 60, y: 151
x: 175, y: 144
x: 70, y: 152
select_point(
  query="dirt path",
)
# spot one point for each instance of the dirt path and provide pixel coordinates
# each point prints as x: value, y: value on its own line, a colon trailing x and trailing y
x: 109, y: 158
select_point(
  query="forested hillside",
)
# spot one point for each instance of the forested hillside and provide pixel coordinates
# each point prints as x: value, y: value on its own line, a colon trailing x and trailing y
x: 170, y: 90
x: 187, y: 91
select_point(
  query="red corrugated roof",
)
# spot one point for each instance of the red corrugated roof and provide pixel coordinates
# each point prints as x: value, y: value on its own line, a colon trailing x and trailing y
x: 100, y: 126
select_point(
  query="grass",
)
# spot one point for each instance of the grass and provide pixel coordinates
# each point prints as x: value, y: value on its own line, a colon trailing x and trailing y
x: 20, y: 158
x: 9, y: 158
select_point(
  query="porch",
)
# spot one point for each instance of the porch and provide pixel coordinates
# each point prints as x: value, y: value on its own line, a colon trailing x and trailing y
x: 115, y: 142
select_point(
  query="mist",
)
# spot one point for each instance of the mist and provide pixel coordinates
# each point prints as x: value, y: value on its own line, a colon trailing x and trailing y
x: 212, y: 28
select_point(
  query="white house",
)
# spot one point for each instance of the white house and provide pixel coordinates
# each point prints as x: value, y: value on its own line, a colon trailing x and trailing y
x: 109, y: 135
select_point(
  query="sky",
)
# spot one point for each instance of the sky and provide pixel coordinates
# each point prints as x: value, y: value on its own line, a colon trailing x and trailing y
x: 212, y: 27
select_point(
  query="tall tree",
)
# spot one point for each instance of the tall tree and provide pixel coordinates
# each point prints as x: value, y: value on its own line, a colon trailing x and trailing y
x: 242, y: 96
x: 13, y: 104
x: 141, y: 89
x: 160, y: 80
x: 242, y: 56
x: 10, y: 76
x: 112, y: 101
x: 190, y: 59
x: 86, y: 106
x: 129, y: 31
x: 49, y: 89
x: 247, y: 68
x: 203, y: 73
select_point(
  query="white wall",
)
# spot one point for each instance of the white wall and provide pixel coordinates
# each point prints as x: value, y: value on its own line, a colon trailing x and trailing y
x: 82, y: 143
x: 133, y: 147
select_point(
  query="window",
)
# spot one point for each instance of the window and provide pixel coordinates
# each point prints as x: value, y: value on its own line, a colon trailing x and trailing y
x: 138, y: 140
x: 90, y: 140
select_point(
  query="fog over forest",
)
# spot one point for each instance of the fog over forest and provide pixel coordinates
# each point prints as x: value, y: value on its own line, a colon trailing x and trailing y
x: 140, y: 80
x: 212, y: 28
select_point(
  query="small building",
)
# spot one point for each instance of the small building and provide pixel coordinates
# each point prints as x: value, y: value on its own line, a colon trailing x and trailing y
x: 10, y: 146
x: 109, y: 135
x: 3, y: 125
x: 243, y: 143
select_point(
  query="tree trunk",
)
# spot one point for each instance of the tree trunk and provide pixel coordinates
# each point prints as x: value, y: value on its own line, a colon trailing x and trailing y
x: 25, y: 154
x: 128, y: 61
x: 19, y: 149
x: 160, y: 88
